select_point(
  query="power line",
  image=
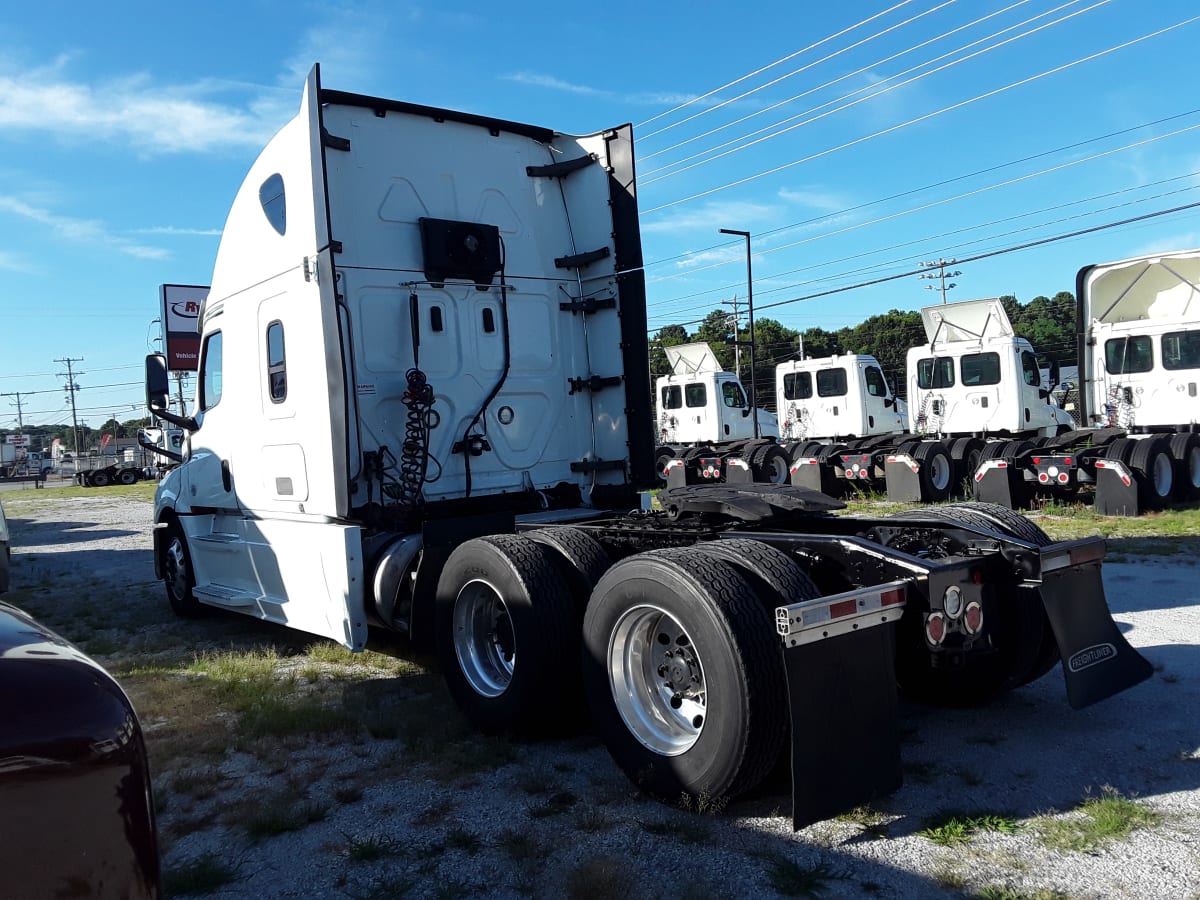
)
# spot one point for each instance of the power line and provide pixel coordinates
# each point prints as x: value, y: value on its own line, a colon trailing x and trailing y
x: 926, y: 116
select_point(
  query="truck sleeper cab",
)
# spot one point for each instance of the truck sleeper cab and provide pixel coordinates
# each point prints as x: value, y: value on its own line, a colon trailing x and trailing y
x: 422, y: 404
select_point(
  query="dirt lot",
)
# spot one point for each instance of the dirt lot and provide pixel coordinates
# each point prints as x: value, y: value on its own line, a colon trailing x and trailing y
x: 284, y: 767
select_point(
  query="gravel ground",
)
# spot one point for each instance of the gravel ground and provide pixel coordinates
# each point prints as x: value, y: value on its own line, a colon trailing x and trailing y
x: 557, y: 818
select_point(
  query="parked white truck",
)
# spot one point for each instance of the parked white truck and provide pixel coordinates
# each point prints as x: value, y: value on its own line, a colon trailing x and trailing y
x: 1138, y: 326
x: 706, y: 423
x: 423, y: 403
x: 19, y: 462
x: 973, y: 389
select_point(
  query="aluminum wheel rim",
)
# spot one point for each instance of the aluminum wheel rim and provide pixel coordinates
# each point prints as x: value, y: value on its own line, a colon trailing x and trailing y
x: 779, y: 469
x: 1193, y: 467
x: 1162, y: 475
x: 939, y: 472
x: 657, y: 680
x: 484, y: 641
x: 176, y: 568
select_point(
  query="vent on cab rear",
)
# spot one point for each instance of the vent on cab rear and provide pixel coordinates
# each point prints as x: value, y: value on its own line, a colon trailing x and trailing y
x: 460, y: 250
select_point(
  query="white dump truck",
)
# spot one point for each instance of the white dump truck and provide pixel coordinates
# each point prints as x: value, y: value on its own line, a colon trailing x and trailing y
x: 706, y: 424
x: 423, y: 403
x: 1138, y: 325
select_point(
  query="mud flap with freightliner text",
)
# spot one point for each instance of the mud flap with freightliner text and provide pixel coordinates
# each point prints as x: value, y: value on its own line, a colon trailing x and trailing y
x: 1097, y: 661
x: 839, y: 653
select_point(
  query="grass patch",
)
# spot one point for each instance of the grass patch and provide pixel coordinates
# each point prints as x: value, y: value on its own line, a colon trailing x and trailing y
x: 600, y: 878
x: 554, y: 805
x: 462, y: 839
x: 871, y: 821
x: 280, y: 815
x: 370, y: 848
x: 791, y: 879
x: 690, y: 829
x: 993, y: 892
x: 202, y: 875
x: 518, y: 845
x: 1098, y: 821
x: 951, y: 828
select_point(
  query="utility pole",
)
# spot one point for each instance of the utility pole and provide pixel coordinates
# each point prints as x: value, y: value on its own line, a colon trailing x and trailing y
x: 941, y: 276
x: 737, y: 327
x: 71, y: 388
x: 179, y: 391
x: 17, y: 404
x: 750, y: 311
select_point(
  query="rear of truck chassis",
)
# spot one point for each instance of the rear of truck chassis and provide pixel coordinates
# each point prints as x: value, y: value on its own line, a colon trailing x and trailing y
x: 754, y: 609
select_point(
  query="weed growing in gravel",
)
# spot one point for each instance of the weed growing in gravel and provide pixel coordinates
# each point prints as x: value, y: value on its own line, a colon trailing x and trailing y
x: 199, y: 783
x: 1104, y: 819
x: 992, y: 892
x: 688, y: 829
x: 518, y: 845
x: 600, y: 878
x: 369, y: 848
x: 202, y: 875
x: 871, y: 821
x: 279, y: 815
x: 950, y: 877
x: 791, y: 879
x: 591, y: 820
x: 555, y: 805
x: 948, y: 828
x: 350, y: 793
x: 386, y: 887
x: 460, y: 838
x: 703, y: 803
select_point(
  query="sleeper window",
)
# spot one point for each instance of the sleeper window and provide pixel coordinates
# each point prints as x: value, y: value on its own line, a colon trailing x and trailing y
x: 276, y: 363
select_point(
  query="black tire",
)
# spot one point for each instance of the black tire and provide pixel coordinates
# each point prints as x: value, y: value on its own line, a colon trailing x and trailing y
x: 1185, y: 451
x: 777, y: 577
x: 1011, y: 522
x: 964, y: 453
x: 507, y: 635
x: 127, y: 476
x: 936, y: 476
x: 804, y: 449
x: 179, y: 577
x: 662, y: 456
x: 992, y: 450
x: 724, y: 644
x: 1155, y: 473
x: 770, y: 464
x: 97, y: 479
x: 582, y: 561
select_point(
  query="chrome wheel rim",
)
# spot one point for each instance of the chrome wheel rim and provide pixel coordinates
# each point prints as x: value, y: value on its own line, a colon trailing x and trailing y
x: 779, y: 469
x: 175, y: 568
x: 657, y: 680
x: 484, y: 640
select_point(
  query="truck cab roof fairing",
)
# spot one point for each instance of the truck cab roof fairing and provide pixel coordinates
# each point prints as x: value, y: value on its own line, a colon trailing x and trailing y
x: 1163, y: 286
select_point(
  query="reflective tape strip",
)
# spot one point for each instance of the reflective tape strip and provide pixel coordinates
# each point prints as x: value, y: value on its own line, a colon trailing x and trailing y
x: 988, y: 465
x: 803, y: 461
x: 905, y: 459
x: 1118, y: 468
x: 825, y: 617
x: 1072, y: 553
x: 738, y: 463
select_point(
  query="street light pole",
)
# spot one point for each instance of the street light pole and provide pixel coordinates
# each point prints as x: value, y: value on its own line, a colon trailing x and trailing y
x: 750, y: 313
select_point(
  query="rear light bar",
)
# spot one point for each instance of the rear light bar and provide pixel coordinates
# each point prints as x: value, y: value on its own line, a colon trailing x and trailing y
x: 826, y: 617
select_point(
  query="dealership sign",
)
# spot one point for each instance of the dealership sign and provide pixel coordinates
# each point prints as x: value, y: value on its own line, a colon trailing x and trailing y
x: 181, y: 316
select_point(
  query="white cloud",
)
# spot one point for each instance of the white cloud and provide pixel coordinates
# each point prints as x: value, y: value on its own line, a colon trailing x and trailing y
x: 814, y: 198
x: 184, y: 232
x: 152, y: 118
x: 711, y: 217
x: 10, y: 262
x: 549, y: 81
x: 84, y: 231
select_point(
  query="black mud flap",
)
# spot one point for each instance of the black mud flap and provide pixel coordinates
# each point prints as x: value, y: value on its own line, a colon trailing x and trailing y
x: 903, y: 478
x: 1116, y: 489
x: 1000, y: 481
x: 843, y: 699
x: 1096, y: 659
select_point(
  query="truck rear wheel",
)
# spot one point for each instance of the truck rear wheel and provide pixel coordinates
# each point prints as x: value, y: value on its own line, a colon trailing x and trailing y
x: 128, y: 476
x: 937, y: 471
x: 583, y: 561
x: 1151, y: 459
x: 507, y: 634
x: 1185, y: 451
x: 178, y: 576
x: 97, y: 479
x: 684, y: 675
x: 770, y: 464
x: 662, y: 456
x: 778, y: 578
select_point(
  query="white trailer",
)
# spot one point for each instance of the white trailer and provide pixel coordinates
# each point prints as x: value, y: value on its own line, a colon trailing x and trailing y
x: 1138, y: 327
x: 706, y: 424
x: 422, y: 403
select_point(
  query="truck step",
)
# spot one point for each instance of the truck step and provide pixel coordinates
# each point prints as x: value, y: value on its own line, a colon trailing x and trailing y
x: 225, y: 596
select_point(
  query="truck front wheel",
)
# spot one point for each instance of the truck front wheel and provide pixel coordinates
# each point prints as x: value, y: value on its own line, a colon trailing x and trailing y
x: 684, y: 675
x: 507, y: 635
x: 178, y: 576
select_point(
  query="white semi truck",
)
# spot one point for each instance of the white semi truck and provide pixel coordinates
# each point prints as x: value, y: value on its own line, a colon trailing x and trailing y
x: 706, y: 424
x: 1138, y: 327
x: 973, y: 388
x: 422, y: 403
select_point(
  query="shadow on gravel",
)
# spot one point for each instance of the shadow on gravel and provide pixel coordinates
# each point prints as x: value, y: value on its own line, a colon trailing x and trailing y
x: 27, y: 532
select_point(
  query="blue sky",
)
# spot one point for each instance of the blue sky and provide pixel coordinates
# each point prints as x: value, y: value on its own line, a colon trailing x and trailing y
x: 853, y: 140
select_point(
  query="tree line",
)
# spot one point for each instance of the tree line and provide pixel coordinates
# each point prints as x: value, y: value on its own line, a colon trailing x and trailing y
x: 42, y: 437
x: 1048, y: 323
